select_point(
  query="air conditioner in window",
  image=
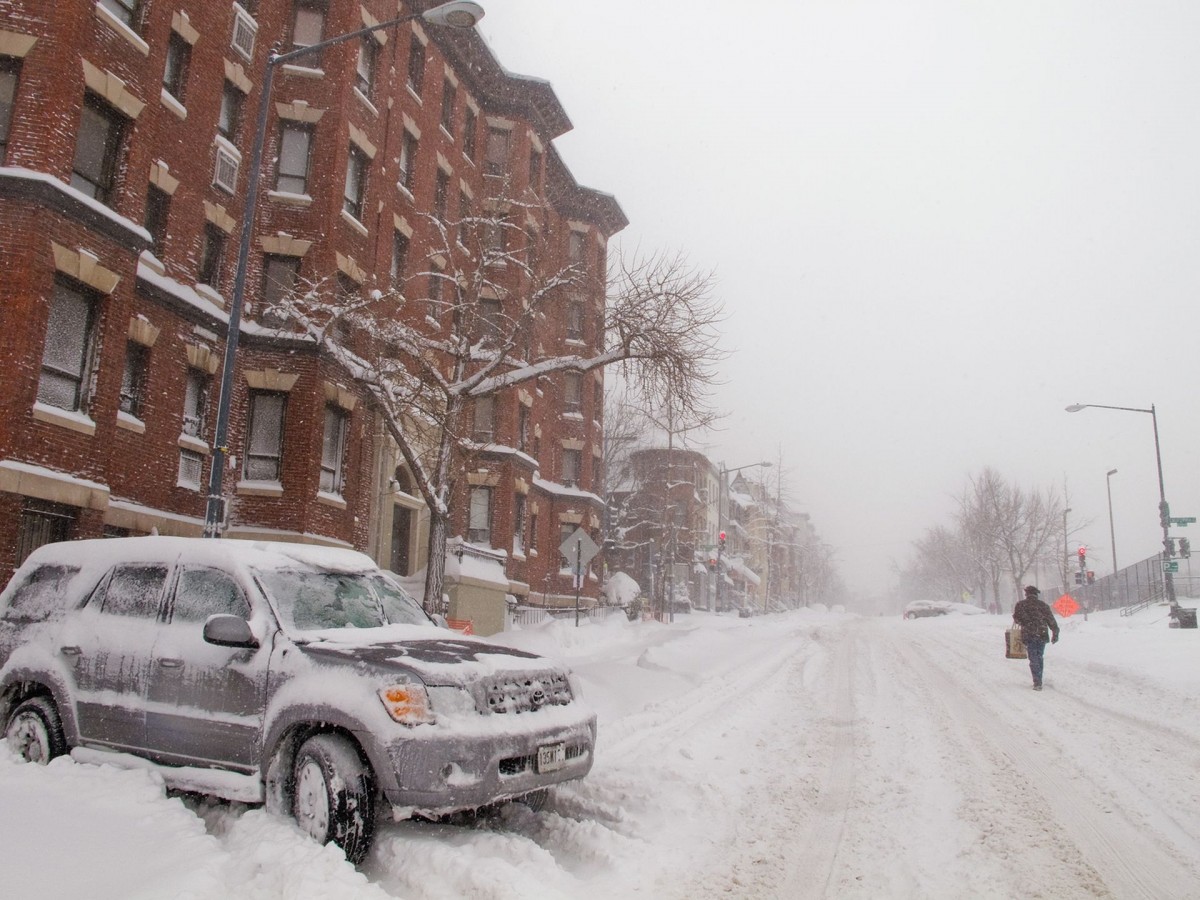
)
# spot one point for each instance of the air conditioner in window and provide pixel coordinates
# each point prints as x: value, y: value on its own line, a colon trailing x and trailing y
x: 245, y: 30
x: 226, y: 173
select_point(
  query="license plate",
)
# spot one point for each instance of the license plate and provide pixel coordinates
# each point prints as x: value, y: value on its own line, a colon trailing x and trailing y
x: 551, y: 757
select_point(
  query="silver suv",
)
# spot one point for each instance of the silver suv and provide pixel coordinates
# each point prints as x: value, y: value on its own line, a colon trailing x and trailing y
x: 301, y: 677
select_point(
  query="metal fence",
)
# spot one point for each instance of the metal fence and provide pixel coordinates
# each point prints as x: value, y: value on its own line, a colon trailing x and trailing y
x: 534, y: 615
x: 1134, y: 587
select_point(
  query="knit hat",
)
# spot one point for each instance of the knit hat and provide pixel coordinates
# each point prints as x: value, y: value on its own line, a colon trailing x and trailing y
x: 1031, y: 591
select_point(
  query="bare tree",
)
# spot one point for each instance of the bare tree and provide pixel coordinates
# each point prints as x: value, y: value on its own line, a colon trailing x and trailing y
x: 454, y: 332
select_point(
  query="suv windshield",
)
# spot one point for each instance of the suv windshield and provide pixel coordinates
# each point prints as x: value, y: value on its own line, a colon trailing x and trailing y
x: 311, y: 600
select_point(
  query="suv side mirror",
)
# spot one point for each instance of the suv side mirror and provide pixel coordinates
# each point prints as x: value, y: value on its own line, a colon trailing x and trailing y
x: 439, y: 620
x: 229, y: 631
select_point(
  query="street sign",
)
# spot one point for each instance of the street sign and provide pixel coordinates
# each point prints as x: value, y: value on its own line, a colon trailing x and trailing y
x: 1066, y: 606
x: 1184, y: 520
x: 578, y: 549
x: 1171, y: 565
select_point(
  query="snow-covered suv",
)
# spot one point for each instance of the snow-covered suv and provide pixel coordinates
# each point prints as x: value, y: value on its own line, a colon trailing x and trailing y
x: 300, y: 677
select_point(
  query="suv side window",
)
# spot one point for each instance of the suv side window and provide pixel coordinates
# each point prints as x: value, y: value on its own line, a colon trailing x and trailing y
x: 132, y: 590
x: 203, y: 592
x: 41, y: 594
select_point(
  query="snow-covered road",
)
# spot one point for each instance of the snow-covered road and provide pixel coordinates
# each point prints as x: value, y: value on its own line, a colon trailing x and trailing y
x: 803, y: 755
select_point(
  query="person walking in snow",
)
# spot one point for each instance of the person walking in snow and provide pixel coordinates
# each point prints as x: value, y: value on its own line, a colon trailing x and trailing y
x: 1035, y: 619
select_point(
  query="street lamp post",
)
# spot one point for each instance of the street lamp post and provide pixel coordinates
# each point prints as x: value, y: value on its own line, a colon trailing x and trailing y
x: 1112, y: 534
x: 1066, y: 553
x: 455, y: 14
x: 1164, y: 511
x: 722, y: 500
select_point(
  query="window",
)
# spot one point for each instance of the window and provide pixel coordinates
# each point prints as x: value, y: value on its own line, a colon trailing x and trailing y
x: 280, y: 276
x: 575, y: 248
x: 245, y: 29
x: 179, y: 55
x: 464, y: 213
x: 43, y: 522
x: 493, y: 234
x: 8, y: 93
x: 572, y: 464
x: 308, y: 28
x: 125, y: 10
x: 535, y: 168
x: 133, y: 380
x: 226, y: 173
x: 448, y: 105
x: 212, y: 255
x: 573, y: 391
x: 66, y: 358
x: 522, y: 427
x: 364, y: 73
x: 203, y: 592
x: 496, y: 161
x: 355, y: 194
x: 470, y: 129
x: 229, y: 120
x: 485, y: 415
x: 441, y: 195
x: 264, y: 440
x: 132, y: 590
x: 400, y: 244
x: 435, y: 296
x: 295, y: 149
x: 518, y: 523
x: 97, y: 148
x: 575, y: 319
x: 491, y: 320
x: 333, y: 448
x: 533, y: 532
x: 479, y: 528
x: 158, y: 206
x: 405, y: 164
x: 191, y: 467
x: 416, y: 65
x: 195, y: 403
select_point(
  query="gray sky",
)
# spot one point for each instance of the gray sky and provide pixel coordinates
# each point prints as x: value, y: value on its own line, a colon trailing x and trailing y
x: 934, y: 225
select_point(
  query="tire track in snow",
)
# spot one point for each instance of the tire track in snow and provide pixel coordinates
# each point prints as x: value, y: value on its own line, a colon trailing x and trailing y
x: 810, y: 870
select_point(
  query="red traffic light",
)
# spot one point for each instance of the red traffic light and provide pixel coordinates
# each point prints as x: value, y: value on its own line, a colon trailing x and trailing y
x: 721, y: 536
x: 1082, y: 552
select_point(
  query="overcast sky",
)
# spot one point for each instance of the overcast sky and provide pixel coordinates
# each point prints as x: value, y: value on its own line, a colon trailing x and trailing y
x: 934, y: 225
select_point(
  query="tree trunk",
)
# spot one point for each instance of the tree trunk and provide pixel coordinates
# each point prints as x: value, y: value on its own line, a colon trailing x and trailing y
x: 435, y: 574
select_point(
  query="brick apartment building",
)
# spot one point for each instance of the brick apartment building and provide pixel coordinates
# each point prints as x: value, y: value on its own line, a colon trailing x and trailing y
x: 126, y: 129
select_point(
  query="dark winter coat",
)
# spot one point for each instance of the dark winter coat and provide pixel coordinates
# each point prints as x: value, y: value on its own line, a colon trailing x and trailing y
x: 1034, y: 617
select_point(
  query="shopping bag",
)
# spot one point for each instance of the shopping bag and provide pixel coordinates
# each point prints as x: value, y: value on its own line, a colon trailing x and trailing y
x: 1014, y: 647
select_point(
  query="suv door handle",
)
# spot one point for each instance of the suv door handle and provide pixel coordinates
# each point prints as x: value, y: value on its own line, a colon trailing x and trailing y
x: 69, y: 651
x: 170, y: 662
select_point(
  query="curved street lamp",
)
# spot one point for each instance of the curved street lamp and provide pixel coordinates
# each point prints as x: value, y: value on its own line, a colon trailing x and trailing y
x: 1164, y: 511
x: 455, y: 14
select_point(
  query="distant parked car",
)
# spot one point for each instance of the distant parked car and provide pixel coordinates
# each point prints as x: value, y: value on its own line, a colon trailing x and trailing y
x: 301, y: 677
x: 919, y: 609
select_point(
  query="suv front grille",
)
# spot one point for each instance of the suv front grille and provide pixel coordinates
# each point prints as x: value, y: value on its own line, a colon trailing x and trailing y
x: 526, y: 693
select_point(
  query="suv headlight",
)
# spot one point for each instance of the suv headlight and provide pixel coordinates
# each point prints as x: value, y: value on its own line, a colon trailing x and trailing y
x: 407, y: 703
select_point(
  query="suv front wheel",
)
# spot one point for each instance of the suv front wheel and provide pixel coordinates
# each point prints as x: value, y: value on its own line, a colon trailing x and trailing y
x: 334, y: 795
x: 34, y: 731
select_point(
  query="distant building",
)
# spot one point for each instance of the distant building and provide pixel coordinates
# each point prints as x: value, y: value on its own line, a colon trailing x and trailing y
x: 125, y: 134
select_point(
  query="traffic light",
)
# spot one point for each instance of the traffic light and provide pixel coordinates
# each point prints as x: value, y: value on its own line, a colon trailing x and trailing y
x: 1079, y: 578
x: 1185, y: 548
x: 1169, y: 545
x: 1164, y: 514
x: 1091, y: 577
x: 721, y: 539
x: 712, y: 564
x: 1082, y: 556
